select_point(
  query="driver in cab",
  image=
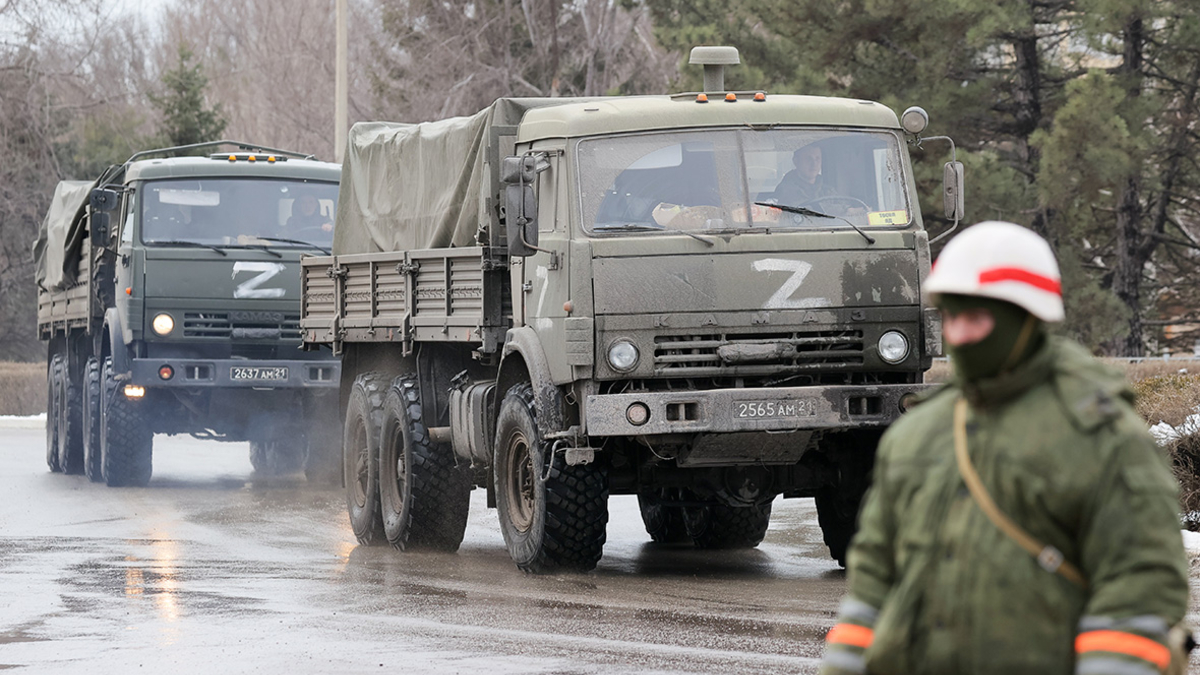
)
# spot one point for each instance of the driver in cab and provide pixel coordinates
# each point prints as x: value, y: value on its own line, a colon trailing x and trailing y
x: 804, y: 183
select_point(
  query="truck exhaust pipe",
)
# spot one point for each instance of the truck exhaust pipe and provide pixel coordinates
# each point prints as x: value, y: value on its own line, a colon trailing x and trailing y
x: 714, y: 60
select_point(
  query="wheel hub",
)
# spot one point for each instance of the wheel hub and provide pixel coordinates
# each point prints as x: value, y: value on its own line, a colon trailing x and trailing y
x: 521, y: 483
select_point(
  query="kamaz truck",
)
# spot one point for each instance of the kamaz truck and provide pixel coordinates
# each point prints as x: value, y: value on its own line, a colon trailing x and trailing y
x: 169, y: 297
x: 560, y: 300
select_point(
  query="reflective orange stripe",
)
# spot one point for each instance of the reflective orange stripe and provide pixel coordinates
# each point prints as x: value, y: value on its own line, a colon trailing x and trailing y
x: 849, y: 634
x: 1118, y: 642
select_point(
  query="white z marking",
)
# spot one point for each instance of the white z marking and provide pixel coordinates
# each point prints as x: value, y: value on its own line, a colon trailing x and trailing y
x: 783, y: 297
x: 250, y: 287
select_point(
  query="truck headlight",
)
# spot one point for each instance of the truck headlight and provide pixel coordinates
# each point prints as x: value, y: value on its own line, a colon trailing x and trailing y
x: 893, y: 346
x: 163, y: 324
x: 622, y: 356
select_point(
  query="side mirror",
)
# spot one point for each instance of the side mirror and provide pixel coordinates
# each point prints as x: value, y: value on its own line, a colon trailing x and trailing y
x: 952, y: 190
x: 103, y: 200
x: 520, y: 218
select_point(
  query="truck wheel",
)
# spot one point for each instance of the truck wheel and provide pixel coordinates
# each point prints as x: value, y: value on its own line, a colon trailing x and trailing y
x: 552, y: 519
x: 663, y: 523
x: 126, y: 442
x: 53, y: 411
x: 723, y: 526
x: 280, y: 455
x: 837, y: 513
x: 424, y: 494
x: 360, y: 444
x: 70, y: 423
x: 91, y: 420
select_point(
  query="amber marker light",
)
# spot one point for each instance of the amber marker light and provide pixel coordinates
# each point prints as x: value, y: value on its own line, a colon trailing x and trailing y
x: 252, y: 158
x: 233, y: 158
x: 568, y: 307
x: 760, y: 97
x: 701, y: 98
x: 134, y: 391
x: 129, y: 291
x: 270, y: 159
x: 731, y: 97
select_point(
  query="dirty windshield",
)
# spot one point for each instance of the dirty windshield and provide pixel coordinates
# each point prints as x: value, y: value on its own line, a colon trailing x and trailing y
x: 239, y: 212
x: 728, y: 179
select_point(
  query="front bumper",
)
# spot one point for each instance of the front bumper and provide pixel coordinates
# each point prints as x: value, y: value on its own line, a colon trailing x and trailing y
x: 219, y: 373
x: 741, y: 410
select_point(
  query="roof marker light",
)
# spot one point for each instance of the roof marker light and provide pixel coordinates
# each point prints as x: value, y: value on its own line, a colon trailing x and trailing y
x: 760, y: 97
x: 270, y: 159
x: 701, y: 98
x: 251, y: 158
x: 233, y: 158
x: 731, y: 97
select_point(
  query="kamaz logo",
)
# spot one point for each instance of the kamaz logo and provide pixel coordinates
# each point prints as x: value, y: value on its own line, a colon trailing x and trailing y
x: 256, y: 317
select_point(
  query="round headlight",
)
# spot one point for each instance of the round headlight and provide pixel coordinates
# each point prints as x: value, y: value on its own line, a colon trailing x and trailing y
x: 163, y: 324
x: 893, y: 347
x: 622, y: 355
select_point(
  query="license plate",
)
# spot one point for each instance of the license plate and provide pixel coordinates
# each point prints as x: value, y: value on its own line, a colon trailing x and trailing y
x: 774, y: 409
x: 242, y: 373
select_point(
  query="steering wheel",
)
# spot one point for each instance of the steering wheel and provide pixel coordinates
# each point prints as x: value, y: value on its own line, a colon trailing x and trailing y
x: 309, y: 232
x: 846, y: 202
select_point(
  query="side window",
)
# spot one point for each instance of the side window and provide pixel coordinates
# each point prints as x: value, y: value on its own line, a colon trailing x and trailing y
x: 130, y: 210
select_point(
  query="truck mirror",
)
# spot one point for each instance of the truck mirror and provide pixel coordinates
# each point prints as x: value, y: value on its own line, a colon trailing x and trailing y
x: 952, y: 191
x: 518, y: 170
x: 520, y: 218
x: 103, y: 200
x: 98, y: 228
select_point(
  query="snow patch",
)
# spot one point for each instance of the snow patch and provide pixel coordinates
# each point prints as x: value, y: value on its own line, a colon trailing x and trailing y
x: 1191, y: 542
x: 23, y: 421
x: 1164, y: 433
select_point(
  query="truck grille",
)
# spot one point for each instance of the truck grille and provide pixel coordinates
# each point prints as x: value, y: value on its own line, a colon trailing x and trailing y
x: 699, y: 355
x: 242, y: 325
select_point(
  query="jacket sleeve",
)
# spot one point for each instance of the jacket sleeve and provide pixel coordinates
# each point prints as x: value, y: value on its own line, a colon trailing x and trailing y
x: 1132, y: 555
x: 871, y: 570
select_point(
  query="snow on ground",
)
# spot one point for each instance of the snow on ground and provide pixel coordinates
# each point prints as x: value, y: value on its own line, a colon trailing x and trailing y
x: 1191, y: 542
x: 23, y: 421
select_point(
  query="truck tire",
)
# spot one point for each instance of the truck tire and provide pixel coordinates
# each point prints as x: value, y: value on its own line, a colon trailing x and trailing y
x: 53, y: 411
x: 280, y: 455
x: 553, y: 519
x: 837, y: 513
x: 425, y: 495
x: 70, y: 423
x: 723, y: 526
x: 663, y: 523
x: 360, y: 444
x: 126, y: 442
x: 91, y: 421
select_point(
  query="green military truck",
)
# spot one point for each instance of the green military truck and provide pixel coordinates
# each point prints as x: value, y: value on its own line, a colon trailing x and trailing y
x: 558, y: 300
x: 181, y: 314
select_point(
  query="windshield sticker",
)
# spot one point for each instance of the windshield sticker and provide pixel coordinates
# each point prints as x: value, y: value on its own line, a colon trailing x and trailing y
x: 888, y: 218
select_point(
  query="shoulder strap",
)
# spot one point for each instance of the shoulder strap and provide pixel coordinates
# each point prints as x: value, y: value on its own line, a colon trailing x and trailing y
x: 1050, y: 558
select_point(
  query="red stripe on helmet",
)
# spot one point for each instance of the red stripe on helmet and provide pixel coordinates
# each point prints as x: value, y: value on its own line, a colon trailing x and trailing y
x: 998, y: 274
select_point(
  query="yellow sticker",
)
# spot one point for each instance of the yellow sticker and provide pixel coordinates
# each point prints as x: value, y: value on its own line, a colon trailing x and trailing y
x: 888, y: 218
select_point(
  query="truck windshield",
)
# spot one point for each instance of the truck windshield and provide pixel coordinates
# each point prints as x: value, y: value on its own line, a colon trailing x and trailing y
x: 239, y: 212
x: 727, y: 179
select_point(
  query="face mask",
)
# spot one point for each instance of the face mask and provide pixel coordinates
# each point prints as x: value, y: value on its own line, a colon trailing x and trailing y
x: 1015, y: 335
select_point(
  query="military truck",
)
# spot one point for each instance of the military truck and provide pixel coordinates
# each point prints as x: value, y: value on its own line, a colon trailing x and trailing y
x: 558, y: 300
x: 181, y: 314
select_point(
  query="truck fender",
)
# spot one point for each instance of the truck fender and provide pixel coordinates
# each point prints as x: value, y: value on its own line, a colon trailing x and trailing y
x: 524, y: 360
x: 116, y: 341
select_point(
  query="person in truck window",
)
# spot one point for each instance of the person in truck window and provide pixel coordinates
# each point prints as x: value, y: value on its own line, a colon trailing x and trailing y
x: 307, y: 216
x: 805, y: 182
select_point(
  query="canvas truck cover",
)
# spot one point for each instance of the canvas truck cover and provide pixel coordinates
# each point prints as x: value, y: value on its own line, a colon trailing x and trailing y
x: 428, y: 185
x: 59, y: 242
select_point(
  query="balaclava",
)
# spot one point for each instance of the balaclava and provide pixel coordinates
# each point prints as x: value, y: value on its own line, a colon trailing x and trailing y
x: 1015, y: 335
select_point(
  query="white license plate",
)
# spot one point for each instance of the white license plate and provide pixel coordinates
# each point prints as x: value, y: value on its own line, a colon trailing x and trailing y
x: 804, y: 407
x: 242, y: 373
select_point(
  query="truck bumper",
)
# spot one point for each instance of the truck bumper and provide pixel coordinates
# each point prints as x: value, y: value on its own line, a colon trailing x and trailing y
x: 718, y: 411
x: 236, y: 373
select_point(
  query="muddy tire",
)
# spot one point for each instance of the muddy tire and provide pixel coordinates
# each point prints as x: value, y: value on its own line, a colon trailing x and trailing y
x: 70, y: 423
x: 837, y: 513
x: 279, y: 456
x: 551, y: 520
x: 53, y: 411
x: 424, y: 493
x: 91, y: 421
x: 663, y: 523
x: 723, y: 526
x: 126, y: 442
x: 360, y: 455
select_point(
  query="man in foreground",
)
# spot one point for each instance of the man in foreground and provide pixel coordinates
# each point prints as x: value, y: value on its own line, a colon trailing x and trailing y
x: 1021, y: 519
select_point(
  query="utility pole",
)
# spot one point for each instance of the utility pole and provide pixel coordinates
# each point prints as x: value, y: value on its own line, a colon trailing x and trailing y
x: 341, y: 88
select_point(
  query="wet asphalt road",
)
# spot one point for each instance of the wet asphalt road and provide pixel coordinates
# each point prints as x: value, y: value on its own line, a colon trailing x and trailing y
x: 211, y: 568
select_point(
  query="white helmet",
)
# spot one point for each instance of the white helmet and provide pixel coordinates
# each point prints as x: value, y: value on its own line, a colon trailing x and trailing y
x: 1003, y: 261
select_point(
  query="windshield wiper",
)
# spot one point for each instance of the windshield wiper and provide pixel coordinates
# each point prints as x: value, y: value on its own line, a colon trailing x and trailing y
x: 180, y: 242
x: 639, y: 227
x: 261, y: 247
x: 816, y: 214
x: 300, y: 242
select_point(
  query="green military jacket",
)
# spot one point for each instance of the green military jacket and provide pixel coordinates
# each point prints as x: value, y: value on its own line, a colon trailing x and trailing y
x: 936, y: 587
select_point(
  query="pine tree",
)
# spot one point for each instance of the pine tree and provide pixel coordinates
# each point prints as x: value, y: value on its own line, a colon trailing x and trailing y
x: 186, y: 117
